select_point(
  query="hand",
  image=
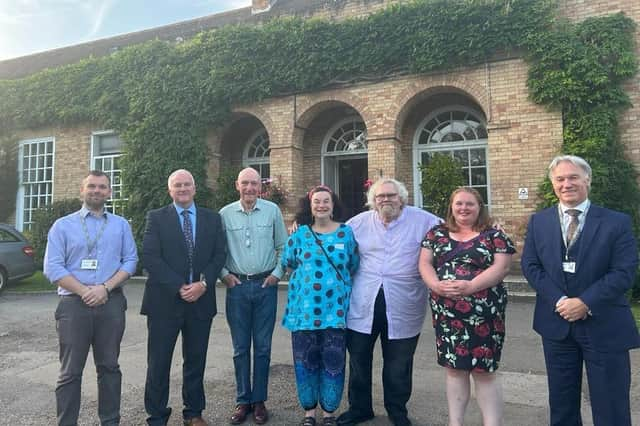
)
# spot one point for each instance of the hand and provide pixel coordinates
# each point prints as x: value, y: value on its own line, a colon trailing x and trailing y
x: 95, y: 295
x: 192, y: 292
x: 467, y: 288
x: 270, y: 280
x: 293, y: 228
x: 498, y: 226
x: 572, y: 309
x: 231, y: 280
x: 451, y: 289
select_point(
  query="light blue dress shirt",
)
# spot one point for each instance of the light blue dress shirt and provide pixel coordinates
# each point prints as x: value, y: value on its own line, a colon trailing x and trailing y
x: 67, y: 246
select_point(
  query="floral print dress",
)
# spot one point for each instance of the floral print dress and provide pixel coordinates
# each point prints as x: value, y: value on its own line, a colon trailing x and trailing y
x: 469, y: 331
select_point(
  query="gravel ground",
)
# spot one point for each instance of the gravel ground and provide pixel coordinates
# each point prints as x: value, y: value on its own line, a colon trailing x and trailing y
x: 29, y: 368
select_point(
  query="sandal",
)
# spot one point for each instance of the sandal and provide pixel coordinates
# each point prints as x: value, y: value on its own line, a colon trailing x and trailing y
x: 308, y: 421
x: 329, y: 421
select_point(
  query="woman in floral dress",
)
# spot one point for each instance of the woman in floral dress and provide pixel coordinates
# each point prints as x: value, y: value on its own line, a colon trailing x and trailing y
x: 322, y: 256
x: 463, y: 262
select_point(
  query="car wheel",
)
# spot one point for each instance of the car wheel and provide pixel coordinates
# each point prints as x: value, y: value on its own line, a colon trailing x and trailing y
x: 4, y: 279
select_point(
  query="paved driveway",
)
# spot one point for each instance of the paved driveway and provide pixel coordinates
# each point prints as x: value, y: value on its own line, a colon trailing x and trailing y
x: 29, y: 366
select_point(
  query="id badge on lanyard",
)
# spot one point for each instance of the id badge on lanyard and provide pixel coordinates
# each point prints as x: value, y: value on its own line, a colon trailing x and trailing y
x: 91, y: 263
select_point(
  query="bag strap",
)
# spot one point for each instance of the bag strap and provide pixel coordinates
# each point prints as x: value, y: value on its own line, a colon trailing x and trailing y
x: 319, y: 243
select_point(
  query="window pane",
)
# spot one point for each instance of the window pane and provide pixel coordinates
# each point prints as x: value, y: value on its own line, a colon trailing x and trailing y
x: 478, y: 157
x: 483, y: 191
x: 462, y: 155
x: 479, y: 176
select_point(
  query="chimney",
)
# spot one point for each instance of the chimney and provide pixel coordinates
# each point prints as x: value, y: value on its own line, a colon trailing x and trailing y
x: 259, y: 6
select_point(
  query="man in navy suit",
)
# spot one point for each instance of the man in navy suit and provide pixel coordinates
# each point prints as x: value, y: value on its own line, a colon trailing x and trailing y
x: 581, y: 259
x: 183, y: 251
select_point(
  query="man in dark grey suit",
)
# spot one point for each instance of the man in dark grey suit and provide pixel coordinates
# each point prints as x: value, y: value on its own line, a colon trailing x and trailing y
x: 183, y: 251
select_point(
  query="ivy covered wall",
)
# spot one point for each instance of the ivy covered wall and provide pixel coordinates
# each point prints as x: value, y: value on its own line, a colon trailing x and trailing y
x: 162, y: 97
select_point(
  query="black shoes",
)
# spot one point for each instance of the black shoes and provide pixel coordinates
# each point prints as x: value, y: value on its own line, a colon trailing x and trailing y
x: 350, y: 418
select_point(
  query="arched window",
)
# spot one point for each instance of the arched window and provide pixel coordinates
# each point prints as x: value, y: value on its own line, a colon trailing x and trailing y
x: 460, y: 132
x: 256, y: 153
x: 348, y: 137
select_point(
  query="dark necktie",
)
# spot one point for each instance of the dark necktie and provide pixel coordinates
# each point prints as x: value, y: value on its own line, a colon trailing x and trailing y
x: 187, y: 230
x: 573, y: 225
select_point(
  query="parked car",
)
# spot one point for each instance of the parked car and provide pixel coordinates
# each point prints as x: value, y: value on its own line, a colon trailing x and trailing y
x: 16, y: 256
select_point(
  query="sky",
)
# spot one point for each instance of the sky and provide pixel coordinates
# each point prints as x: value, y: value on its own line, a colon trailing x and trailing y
x: 30, y: 26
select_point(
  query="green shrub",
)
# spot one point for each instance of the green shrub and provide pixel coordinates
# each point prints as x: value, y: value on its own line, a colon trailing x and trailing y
x: 441, y: 175
x: 225, y: 191
x: 43, y: 219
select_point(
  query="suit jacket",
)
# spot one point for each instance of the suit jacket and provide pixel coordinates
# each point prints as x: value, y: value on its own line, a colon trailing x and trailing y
x: 606, y: 265
x: 164, y: 254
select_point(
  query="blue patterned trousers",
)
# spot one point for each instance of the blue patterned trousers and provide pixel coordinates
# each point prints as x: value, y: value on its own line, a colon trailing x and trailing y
x: 319, y: 362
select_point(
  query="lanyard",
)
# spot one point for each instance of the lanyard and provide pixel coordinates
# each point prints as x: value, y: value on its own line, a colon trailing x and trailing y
x: 92, y: 244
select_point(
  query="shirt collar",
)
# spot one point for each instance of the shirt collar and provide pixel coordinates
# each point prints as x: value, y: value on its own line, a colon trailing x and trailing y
x: 582, y: 207
x: 191, y: 209
x: 255, y: 207
x: 84, y: 211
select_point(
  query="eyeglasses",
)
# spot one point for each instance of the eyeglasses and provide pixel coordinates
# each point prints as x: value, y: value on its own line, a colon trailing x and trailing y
x: 390, y: 196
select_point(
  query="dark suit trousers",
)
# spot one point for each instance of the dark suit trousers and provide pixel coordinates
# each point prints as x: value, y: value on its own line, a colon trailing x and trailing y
x: 163, y: 333
x: 608, y: 375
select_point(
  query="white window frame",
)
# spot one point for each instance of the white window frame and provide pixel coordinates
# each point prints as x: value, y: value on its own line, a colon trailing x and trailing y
x: 113, y: 205
x: 259, y: 161
x: 329, y: 159
x: 20, y: 204
x: 418, y: 149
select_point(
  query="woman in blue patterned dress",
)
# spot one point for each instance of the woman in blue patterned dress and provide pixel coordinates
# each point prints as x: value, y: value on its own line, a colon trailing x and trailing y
x: 321, y: 256
x: 463, y: 262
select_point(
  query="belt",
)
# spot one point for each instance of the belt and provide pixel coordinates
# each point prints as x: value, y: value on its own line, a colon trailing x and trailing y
x: 117, y: 290
x: 250, y: 277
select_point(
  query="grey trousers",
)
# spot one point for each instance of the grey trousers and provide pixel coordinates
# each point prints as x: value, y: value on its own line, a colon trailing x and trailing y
x: 80, y: 327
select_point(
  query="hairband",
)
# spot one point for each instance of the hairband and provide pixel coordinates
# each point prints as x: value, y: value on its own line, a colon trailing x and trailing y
x: 317, y: 189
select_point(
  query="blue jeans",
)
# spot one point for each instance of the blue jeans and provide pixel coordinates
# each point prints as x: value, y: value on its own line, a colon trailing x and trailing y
x: 251, y: 314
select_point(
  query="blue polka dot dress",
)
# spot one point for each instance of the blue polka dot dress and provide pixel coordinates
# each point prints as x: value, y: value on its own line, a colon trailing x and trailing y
x: 317, y: 299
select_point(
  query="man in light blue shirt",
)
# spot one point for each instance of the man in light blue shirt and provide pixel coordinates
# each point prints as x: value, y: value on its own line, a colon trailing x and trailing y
x: 90, y: 254
x: 255, y: 237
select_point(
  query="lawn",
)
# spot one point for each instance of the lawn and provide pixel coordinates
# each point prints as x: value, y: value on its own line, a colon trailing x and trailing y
x: 34, y: 284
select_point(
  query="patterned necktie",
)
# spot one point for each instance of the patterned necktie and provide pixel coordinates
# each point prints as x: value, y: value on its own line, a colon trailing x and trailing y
x: 573, y: 225
x: 187, y: 230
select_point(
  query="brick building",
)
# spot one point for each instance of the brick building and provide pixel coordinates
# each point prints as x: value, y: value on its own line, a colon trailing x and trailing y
x: 346, y: 134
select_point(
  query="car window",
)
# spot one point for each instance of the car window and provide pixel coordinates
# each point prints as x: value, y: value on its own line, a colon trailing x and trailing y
x: 7, y: 237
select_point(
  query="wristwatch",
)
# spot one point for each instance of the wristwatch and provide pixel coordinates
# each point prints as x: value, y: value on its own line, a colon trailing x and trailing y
x: 107, y: 288
x: 203, y: 281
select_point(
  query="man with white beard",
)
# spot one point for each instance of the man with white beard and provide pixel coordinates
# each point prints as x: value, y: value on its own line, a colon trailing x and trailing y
x: 388, y: 300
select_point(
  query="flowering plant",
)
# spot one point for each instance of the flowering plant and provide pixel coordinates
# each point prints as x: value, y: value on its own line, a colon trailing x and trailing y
x: 273, y: 191
x: 367, y: 184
